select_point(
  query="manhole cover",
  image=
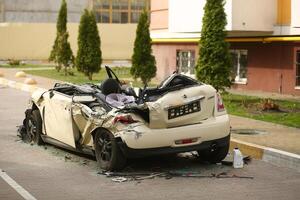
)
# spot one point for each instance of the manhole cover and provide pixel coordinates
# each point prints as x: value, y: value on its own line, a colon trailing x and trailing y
x: 248, y: 131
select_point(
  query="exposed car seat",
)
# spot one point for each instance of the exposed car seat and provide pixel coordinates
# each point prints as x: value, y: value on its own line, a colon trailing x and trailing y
x: 110, y: 86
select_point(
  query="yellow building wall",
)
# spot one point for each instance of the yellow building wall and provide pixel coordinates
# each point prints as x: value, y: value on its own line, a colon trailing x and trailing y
x: 283, y: 12
x: 33, y: 41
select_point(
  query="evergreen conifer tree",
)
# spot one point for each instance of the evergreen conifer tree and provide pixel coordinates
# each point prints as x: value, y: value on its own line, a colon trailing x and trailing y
x: 65, y: 56
x: 143, y: 62
x: 214, y: 62
x: 61, y: 52
x: 89, y: 56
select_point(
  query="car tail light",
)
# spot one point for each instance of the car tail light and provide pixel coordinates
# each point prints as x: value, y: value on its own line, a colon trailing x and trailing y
x: 124, y: 119
x: 186, y: 141
x: 220, y: 105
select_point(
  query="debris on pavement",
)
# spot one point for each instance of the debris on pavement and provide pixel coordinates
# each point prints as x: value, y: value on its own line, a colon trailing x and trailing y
x: 119, y: 179
x: 85, y: 162
x: 21, y: 131
x: 228, y: 161
x: 247, y: 160
x: 68, y: 157
x: 132, y: 174
x: 138, y: 176
x: 238, y: 161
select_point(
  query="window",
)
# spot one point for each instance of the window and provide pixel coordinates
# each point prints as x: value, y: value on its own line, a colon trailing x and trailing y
x: 185, y: 61
x: 119, y: 11
x: 298, y: 68
x: 239, y: 65
x: 102, y: 11
x: 137, y: 7
x: 135, y: 17
x: 103, y: 17
x: 120, y: 4
x: 120, y: 17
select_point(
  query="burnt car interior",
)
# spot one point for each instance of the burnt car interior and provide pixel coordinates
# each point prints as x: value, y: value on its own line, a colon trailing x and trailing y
x: 172, y: 83
x: 112, y: 85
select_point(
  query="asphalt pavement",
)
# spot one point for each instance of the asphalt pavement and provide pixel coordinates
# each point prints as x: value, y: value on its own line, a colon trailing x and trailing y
x: 47, y: 172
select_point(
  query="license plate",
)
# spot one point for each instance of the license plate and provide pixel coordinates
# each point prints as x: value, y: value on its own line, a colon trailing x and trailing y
x: 178, y: 111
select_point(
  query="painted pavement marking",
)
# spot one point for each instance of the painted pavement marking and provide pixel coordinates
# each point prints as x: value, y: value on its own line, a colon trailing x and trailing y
x: 24, y: 193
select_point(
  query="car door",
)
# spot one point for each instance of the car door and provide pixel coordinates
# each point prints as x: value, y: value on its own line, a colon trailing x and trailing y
x: 58, y: 121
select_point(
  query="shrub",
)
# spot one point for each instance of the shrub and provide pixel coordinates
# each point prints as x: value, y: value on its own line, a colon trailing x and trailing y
x: 143, y: 62
x: 89, y: 55
x: 214, y: 63
x: 14, y: 62
x: 61, y: 52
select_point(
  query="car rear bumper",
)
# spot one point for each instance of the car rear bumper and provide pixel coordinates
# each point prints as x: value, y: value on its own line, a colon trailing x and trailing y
x: 137, y: 153
x: 143, y: 138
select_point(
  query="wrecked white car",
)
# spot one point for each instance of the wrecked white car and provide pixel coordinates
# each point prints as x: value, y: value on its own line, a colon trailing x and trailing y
x: 114, y: 123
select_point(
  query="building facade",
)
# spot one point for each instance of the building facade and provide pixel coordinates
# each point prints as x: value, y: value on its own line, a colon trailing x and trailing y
x: 28, y: 27
x: 264, y: 39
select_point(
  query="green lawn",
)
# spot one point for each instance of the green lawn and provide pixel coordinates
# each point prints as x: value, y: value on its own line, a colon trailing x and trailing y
x: 251, y: 107
x: 123, y: 73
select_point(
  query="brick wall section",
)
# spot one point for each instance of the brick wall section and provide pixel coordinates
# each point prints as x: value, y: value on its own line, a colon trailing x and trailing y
x: 271, y: 66
x: 165, y: 55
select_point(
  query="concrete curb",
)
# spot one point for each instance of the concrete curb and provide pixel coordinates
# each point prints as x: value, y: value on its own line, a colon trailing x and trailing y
x: 18, y: 85
x: 273, y: 156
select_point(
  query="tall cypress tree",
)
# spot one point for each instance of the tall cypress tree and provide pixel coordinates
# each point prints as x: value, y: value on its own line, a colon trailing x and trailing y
x: 143, y: 62
x: 61, y: 52
x: 89, y: 55
x: 214, y: 62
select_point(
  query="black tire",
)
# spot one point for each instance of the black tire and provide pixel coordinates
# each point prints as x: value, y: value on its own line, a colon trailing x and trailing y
x: 34, y: 128
x: 215, y: 153
x: 109, y: 156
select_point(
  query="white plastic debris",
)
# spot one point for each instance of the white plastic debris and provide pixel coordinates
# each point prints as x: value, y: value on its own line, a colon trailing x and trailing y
x: 119, y: 179
x: 238, y: 161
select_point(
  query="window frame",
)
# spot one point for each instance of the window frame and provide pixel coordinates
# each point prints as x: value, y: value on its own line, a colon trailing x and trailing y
x: 98, y: 10
x: 191, y: 61
x: 237, y: 78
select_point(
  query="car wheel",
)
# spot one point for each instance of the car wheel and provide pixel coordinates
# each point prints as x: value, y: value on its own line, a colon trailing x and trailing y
x: 215, y: 153
x: 108, y: 155
x: 34, y: 128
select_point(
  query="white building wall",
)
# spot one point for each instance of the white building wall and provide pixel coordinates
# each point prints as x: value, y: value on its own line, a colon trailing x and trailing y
x: 242, y: 15
x: 295, y: 12
x: 186, y: 16
x: 254, y: 15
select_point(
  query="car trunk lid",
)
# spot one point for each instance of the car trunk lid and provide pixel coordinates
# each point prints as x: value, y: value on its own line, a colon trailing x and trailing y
x: 183, y: 107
